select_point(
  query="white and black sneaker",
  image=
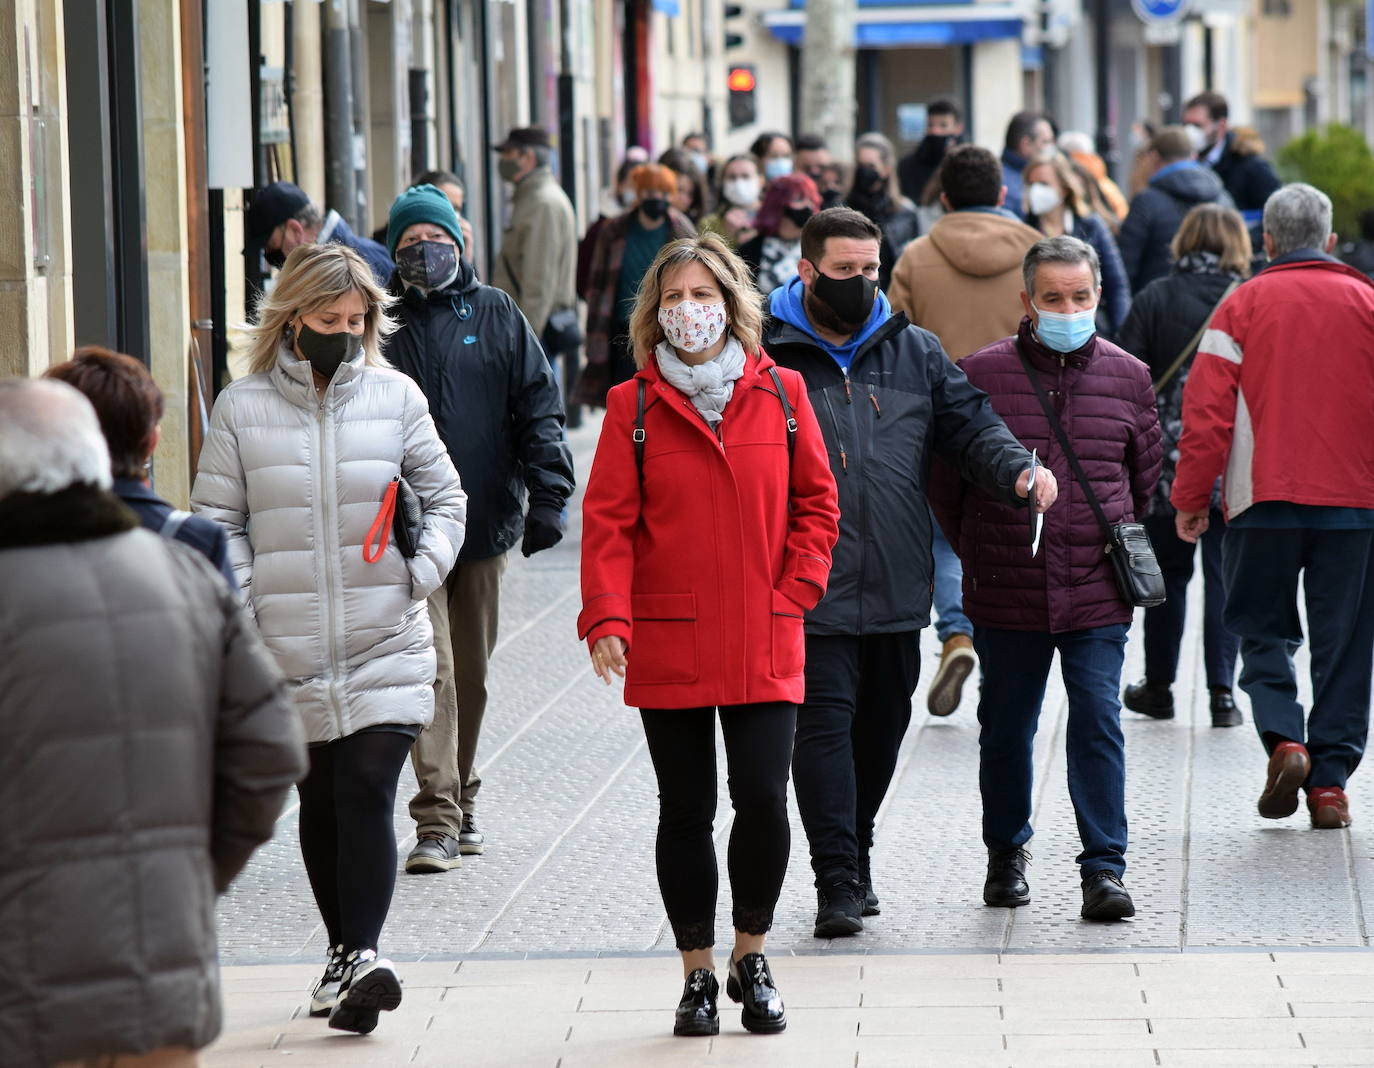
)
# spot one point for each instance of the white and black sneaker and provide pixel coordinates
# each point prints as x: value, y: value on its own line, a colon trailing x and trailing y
x: 326, y: 992
x: 370, y: 986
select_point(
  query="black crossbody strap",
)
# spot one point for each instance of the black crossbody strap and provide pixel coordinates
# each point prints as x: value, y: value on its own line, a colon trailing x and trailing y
x: 1078, y: 473
x: 787, y: 415
x: 641, y: 387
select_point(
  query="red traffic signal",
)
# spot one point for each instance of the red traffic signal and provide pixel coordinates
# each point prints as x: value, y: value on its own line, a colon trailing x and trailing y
x: 741, y: 80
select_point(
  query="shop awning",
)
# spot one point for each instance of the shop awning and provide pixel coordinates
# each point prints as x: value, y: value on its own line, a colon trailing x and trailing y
x: 904, y: 24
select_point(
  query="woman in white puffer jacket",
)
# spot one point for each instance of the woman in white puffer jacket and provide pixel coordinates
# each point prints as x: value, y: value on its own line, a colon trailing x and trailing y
x: 296, y: 464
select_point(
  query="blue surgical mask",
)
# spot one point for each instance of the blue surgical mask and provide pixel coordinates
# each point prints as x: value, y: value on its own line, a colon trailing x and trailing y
x: 1066, y: 333
x: 777, y: 167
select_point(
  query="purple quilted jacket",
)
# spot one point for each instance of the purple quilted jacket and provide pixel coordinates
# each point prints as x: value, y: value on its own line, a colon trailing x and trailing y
x: 1104, y: 401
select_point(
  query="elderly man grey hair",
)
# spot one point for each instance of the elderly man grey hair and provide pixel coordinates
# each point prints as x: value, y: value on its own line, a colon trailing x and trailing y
x: 49, y: 438
x: 1066, y: 250
x: 1297, y: 216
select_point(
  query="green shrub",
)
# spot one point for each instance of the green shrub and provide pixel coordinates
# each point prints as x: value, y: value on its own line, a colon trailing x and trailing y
x: 1337, y: 161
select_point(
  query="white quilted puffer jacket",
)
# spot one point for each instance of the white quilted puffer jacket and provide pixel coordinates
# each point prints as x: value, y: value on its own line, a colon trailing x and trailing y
x: 297, y: 482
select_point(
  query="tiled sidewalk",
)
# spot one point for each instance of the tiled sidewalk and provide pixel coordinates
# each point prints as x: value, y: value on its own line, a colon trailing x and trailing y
x: 1007, y: 1011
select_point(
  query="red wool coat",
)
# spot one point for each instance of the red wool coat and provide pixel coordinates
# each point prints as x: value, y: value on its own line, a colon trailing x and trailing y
x: 707, y: 569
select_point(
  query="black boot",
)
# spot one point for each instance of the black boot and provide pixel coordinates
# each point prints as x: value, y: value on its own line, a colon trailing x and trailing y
x: 1153, y: 699
x: 1006, y: 886
x: 1224, y: 710
x: 751, y: 982
x: 839, y: 905
x: 697, y: 1012
x: 869, y: 898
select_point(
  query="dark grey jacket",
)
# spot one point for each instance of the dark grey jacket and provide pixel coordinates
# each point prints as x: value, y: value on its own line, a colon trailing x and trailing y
x: 146, y: 746
x: 903, y: 399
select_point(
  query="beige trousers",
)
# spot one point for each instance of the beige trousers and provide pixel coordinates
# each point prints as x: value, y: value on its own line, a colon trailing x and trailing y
x: 464, y: 612
x: 169, y: 1057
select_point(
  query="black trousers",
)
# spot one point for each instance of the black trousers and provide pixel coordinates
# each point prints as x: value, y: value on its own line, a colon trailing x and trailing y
x: 348, y: 833
x: 758, y: 749
x: 1164, y: 623
x: 857, y: 710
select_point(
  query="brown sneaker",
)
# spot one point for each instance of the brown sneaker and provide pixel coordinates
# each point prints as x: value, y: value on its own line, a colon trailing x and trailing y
x: 956, y: 661
x: 1329, y: 807
x: 1288, y: 768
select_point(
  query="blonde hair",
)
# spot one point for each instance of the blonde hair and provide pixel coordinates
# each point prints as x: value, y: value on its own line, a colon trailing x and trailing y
x: 312, y: 278
x: 1075, y: 197
x: 887, y: 152
x: 1213, y: 228
x: 743, y: 301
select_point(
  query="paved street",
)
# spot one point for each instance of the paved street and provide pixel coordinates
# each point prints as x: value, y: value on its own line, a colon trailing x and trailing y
x: 568, y: 806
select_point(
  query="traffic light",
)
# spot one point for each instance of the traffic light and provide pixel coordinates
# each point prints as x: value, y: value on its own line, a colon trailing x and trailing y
x: 741, y: 84
x: 733, y: 38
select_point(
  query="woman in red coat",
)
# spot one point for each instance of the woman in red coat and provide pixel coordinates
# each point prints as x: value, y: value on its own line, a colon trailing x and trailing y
x: 707, y: 528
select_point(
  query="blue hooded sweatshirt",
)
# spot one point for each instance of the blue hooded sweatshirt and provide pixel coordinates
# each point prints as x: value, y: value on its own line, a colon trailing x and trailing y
x: 786, y: 304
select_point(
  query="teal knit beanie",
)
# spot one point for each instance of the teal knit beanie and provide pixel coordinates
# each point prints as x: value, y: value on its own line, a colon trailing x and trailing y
x: 421, y: 204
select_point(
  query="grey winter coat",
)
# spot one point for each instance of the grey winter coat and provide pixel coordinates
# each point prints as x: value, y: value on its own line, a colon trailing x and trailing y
x: 146, y: 746
x: 298, y: 481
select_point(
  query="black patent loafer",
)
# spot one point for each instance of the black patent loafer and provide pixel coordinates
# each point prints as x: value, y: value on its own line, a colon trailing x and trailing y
x: 1224, y: 710
x: 1153, y: 699
x: 750, y: 982
x: 1006, y: 886
x: 698, y: 1012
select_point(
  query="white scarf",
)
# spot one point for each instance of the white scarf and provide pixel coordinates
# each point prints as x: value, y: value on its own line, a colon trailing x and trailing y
x: 708, y: 385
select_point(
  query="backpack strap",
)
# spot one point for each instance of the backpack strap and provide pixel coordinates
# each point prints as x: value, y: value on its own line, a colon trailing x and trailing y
x: 787, y: 413
x: 641, y: 388
x: 172, y: 524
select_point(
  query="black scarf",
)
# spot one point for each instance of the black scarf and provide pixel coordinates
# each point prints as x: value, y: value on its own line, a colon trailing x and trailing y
x: 78, y: 513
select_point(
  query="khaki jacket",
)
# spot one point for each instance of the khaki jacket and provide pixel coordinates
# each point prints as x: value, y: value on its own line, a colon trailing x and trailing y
x: 962, y: 281
x: 538, y: 261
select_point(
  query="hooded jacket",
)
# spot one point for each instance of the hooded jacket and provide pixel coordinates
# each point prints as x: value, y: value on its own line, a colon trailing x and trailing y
x: 962, y: 281
x: 297, y: 481
x: 146, y: 747
x: 494, y: 401
x: 901, y: 400
x: 706, y: 565
x: 1104, y: 401
x: 1156, y: 213
x: 1279, y: 392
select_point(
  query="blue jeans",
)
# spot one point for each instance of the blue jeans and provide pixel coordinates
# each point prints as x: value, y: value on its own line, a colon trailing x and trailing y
x: 1262, y: 568
x: 949, y: 587
x: 1016, y: 667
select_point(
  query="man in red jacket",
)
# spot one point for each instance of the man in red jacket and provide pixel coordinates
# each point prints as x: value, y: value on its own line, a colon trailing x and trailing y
x: 1027, y: 605
x: 1279, y: 398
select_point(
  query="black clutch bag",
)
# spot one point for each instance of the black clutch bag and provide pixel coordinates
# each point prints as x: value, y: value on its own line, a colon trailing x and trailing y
x: 402, y: 509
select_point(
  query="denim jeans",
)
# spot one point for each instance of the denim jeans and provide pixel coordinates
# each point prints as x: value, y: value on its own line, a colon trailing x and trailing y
x: 1262, y: 568
x: 1016, y: 667
x: 949, y: 587
x: 1164, y: 623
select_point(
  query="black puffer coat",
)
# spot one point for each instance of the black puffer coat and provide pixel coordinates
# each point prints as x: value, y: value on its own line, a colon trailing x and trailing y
x: 903, y: 399
x: 1163, y: 319
x: 1155, y: 215
x: 494, y: 400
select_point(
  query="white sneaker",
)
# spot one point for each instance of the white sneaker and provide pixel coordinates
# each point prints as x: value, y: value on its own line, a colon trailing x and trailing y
x: 370, y: 986
x: 326, y: 992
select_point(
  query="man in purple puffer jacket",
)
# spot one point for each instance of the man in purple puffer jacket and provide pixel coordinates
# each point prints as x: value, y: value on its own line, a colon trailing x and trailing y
x: 1064, y: 598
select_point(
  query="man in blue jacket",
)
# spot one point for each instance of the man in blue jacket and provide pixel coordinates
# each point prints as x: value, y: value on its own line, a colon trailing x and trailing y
x: 887, y: 396
x: 497, y: 407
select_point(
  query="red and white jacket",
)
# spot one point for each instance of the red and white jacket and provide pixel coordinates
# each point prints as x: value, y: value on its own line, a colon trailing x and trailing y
x: 1280, y: 397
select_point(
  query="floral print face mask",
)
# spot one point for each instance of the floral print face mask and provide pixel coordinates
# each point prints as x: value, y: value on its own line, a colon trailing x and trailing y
x: 692, y: 327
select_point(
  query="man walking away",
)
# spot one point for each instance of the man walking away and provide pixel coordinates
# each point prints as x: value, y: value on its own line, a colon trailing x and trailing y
x: 1028, y: 135
x: 1279, y: 397
x: 171, y: 746
x: 887, y: 397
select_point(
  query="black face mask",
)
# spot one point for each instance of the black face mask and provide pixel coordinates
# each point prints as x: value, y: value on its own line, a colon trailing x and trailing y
x: 327, y: 351
x: 427, y: 264
x: 868, y: 179
x: 654, y: 207
x: 934, y: 146
x: 849, y: 300
x: 799, y: 216
x: 275, y: 257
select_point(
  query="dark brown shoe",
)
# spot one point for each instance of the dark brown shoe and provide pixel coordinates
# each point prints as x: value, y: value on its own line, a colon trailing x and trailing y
x: 1329, y: 808
x: 1288, y: 768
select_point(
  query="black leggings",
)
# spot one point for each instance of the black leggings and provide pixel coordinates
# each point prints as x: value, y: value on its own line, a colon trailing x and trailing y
x: 758, y: 750
x: 348, y: 835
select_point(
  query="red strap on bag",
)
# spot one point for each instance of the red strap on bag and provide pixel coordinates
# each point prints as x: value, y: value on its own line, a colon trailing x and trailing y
x: 382, y: 524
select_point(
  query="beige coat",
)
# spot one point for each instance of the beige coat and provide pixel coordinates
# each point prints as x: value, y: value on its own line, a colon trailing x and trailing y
x: 962, y: 281
x: 538, y: 261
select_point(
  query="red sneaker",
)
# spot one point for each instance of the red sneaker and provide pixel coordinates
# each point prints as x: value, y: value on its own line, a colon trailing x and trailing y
x: 1288, y: 768
x: 1330, y: 808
